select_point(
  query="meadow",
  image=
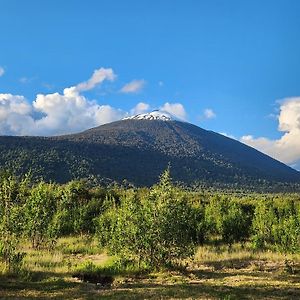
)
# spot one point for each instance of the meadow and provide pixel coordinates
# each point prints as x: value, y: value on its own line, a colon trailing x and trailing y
x: 213, y: 273
x: 74, y: 241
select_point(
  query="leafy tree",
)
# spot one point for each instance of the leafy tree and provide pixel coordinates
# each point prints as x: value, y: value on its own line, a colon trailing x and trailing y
x: 157, y: 229
x: 287, y: 234
x: 263, y: 221
x: 227, y: 219
x: 40, y: 208
x: 12, y: 195
x: 276, y: 225
x: 72, y: 207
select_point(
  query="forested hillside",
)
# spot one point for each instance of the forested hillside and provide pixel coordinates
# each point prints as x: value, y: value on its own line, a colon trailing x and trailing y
x: 137, y: 151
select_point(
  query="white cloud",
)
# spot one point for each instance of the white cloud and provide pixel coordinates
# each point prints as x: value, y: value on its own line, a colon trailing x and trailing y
x: 106, y: 114
x: 67, y: 112
x: 15, y: 115
x: 134, y: 86
x: 71, y: 112
x: 2, y: 71
x: 58, y: 113
x: 175, y: 109
x: 209, y: 113
x: 97, y: 78
x: 140, y: 108
x: 286, y: 148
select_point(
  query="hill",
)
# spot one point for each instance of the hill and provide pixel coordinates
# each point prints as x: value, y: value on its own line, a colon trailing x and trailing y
x: 138, y: 150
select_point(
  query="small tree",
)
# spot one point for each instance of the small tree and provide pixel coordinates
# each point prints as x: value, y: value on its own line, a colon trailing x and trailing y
x: 72, y: 207
x: 12, y: 197
x: 227, y: 218
x: 263, y: 221
x: 157, y: 229
x: 276, y: 225
x: 287, y: 234
x: 40, y: 209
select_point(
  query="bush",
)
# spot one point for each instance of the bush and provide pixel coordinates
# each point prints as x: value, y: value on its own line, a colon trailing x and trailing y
x: 157, y: 229
x: 226, y: 218
x: 41, y: 226
x: 276, y: 226
x: 12, y: 197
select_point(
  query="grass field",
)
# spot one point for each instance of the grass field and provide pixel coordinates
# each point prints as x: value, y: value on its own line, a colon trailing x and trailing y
x: 214, y: 273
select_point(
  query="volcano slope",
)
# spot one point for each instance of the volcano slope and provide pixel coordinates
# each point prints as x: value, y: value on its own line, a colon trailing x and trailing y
x: 138, y: 150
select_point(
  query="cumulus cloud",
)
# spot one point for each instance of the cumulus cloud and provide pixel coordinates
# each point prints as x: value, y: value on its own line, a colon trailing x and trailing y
x: 175, y: 109
x: 140, y: 108
x: 57, y: 113
x: 15, y: 115
x: 286, y: 148
x: 71, y: 112
x: 2, y: 71
x: 134, y: 86
x: 67, y: 112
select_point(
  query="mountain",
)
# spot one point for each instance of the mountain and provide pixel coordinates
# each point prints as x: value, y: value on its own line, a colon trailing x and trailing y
x: 138, y: 149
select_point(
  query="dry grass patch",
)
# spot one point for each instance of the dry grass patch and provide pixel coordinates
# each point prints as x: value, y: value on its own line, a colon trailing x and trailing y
x: 214, y: 273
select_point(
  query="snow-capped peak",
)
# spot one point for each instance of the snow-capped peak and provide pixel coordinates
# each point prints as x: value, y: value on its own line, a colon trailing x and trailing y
x: 154, y: 115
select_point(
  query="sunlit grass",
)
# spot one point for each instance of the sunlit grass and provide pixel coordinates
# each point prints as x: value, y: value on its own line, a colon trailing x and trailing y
x: 240, y: 254
x: 65, y: 257
x: 82, y: 244
x: 216, y: 272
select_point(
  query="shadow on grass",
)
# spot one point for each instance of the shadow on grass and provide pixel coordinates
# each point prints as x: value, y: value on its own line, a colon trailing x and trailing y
x: 58, y: 288
x: 235, y: 263
x: 226, y: 284
x: 200, y: 291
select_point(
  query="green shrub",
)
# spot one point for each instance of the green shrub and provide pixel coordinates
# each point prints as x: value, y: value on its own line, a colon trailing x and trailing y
x: 158, y: 229
x: 226, y: 218
x: 12, y: 197
x: 41, y: 226
x: 276, y: 226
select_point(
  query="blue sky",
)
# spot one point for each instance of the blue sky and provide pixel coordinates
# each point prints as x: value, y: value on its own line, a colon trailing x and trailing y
x: 235, y: 59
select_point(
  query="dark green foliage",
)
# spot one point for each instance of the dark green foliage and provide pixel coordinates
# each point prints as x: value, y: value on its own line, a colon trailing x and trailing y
x: 138, y: 151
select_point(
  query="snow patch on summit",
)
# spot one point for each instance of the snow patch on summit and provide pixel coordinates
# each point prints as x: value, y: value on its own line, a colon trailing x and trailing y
x: 154, y: 115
